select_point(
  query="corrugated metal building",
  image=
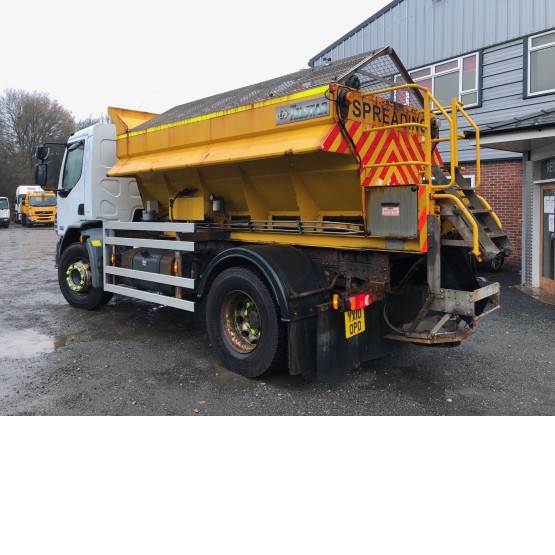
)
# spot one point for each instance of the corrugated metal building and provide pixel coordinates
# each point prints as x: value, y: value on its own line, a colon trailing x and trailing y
x: 498, y: 57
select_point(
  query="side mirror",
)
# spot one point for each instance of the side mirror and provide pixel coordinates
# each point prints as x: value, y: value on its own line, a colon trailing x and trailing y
x: 41, y: 174
x: 43, y: 152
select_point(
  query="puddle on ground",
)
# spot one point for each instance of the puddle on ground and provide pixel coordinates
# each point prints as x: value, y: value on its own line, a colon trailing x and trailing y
x: 63, y: 341
x: 25, y: 344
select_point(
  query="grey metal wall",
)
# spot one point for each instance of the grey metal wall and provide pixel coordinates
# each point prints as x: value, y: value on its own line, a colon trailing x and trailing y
x: 503, y: 93
x: 426, y: 31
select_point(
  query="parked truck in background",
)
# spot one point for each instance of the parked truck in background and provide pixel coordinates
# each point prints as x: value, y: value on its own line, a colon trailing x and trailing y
x: 4, y: 212
x: 38, y: 208
x: 20, y: 194
x: 309, y: 218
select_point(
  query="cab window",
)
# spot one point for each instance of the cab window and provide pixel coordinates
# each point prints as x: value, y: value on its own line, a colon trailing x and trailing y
x: 42, y: 200
x: 73, y: 166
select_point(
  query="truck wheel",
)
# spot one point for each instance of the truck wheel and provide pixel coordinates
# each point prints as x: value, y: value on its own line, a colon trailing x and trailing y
x: 24, y: 220
x: 496, y: 263
x: 75, y: 279
x: 243, y: 323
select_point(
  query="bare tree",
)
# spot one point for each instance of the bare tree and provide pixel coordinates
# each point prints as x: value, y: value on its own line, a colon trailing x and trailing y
x: 28, y: 119
x: 91, y: 120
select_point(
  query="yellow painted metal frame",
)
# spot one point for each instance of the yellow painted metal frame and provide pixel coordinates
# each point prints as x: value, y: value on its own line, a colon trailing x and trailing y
x: 167, y: 157
x: 456, y: 200
x: 221, y: 137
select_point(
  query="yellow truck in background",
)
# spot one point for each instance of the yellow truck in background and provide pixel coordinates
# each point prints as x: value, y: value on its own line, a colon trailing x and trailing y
x: 309, y: 218
x: 38, y: 208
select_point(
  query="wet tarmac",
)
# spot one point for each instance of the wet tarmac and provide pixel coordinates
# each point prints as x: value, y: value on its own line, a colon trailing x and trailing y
x: 133, y: 358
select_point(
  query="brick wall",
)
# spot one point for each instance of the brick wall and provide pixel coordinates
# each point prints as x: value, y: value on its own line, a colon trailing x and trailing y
x: 501, y: 186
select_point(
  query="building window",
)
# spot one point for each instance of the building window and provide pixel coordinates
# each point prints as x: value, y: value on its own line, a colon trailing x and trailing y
x: 470, y: 179
x: 457, y: 78
x: 541, y: 60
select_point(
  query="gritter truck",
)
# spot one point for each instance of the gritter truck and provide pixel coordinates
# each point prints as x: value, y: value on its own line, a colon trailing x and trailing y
x: 309, y: 219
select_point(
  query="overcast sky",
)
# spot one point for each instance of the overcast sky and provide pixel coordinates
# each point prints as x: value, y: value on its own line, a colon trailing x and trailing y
x: 154, y: 55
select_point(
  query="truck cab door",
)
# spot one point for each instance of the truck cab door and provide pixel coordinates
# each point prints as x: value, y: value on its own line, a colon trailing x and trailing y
x: 71, y: 187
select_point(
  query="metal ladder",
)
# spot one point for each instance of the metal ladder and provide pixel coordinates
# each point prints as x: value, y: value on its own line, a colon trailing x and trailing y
x: 492, y: 240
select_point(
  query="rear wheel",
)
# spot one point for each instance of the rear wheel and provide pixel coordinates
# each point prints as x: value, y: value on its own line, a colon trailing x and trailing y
x: 75, y: 279
x: 243, y: 323
x: 496, y: 263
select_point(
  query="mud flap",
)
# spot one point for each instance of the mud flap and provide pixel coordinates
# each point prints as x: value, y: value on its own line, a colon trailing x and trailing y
x: 337, y: 355
x: 95, y: 250
x: 303, y: 344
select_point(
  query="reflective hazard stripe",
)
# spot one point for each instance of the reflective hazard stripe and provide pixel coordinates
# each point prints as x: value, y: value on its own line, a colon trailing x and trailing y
x: 388, y: 146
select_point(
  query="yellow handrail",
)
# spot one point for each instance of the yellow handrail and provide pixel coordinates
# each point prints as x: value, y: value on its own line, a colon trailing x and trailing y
x: 469, y: 218
x: 477, y: 138
x: 400, y: 163
x: 433, y: 107
x: 430, y: 100
x: 493, y: 214
x: 427, y: 163
x: 454, y: 135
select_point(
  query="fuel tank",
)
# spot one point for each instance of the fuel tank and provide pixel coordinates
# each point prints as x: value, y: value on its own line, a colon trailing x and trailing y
x: 149, y: 260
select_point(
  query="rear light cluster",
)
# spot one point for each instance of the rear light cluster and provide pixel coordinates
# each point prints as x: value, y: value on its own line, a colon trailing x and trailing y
x: 353, y: 302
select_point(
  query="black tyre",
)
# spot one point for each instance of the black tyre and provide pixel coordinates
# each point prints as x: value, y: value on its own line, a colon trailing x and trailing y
x: 243, y: 323
x: 75, y: 280
x: 24, y: 220
x: 496, y: 264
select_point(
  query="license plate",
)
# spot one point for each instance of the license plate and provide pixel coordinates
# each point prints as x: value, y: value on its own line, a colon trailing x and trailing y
x: 354, y: 323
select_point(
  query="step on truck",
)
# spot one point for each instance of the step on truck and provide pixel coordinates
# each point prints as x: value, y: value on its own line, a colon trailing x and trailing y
x: 309, y: 218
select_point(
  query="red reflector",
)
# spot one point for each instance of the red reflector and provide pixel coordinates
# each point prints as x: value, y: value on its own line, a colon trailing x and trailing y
x: 361, y: 300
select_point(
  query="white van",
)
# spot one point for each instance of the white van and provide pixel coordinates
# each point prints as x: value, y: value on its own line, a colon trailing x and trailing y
x: 4, y: 212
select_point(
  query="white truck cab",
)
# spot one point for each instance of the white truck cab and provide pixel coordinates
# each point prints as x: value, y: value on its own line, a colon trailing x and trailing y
x: 85, y: 193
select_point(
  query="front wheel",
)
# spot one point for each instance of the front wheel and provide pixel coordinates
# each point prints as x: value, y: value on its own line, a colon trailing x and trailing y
x: 243, y: 323
x: 75, y: 279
